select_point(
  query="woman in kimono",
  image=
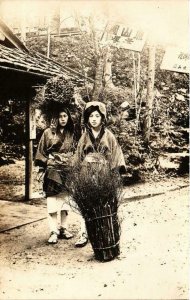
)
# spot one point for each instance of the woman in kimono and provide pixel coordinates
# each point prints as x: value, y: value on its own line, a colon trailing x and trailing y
x: 55, y: 148
x: 97, y: 139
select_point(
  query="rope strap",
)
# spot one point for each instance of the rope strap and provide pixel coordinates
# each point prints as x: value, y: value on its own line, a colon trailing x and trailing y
x: 101, y: 217
x: 107, y: 247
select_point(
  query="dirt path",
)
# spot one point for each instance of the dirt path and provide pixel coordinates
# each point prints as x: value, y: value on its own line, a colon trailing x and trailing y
x: 12, y: 184
x: 153, y: 263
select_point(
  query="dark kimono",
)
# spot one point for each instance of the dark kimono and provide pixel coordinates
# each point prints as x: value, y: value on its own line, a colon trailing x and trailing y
x: 59, y: 148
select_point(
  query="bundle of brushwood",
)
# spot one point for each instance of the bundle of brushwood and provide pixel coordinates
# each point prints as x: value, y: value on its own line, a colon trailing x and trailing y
x: 96, y: 190
x: 57, y: 93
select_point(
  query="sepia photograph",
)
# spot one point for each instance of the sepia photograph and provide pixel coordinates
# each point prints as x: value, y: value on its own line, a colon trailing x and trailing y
x: 94, y: 149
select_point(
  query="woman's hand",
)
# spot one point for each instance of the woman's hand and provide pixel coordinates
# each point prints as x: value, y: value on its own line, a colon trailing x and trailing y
x: 40, y: 175
x: 51, y: 162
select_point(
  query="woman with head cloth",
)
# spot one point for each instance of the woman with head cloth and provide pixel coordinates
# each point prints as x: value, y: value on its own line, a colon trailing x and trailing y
x: 97, y: 139
x: 55, y: 147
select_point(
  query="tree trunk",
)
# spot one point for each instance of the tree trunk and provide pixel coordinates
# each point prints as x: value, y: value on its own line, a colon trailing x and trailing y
x: 98, y: 78
x: 108, y: 70
x: 98, y: 85
x: 55, y: 19
x: 23, y: 23
x: 150, y: 93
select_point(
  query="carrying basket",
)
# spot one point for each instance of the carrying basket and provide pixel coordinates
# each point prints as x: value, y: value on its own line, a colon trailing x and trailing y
x: 104, y: 233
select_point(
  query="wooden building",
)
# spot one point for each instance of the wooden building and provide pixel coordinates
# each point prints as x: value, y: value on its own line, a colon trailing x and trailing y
x: 20, y: 71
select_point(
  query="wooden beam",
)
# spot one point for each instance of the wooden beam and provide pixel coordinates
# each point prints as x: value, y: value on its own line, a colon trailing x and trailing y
x: 12, y: 37
x: 150, y: 92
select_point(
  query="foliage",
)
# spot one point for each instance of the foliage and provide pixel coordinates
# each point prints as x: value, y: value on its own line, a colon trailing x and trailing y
x: 58, y: 92
x: 170, y: 117
x: 12, y: 134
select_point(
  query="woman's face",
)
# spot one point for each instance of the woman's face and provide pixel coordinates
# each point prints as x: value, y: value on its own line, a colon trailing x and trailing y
x: 63, y: 119
x: 95, y: 119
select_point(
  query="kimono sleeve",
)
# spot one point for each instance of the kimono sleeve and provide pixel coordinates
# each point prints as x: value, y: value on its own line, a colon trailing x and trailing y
x: 41, y: 154
x: 117, y: 160
x: 78, y: 156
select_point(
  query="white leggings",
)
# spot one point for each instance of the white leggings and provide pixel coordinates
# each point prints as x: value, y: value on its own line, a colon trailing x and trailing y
x: 57, y: 211
x: 57, y: 220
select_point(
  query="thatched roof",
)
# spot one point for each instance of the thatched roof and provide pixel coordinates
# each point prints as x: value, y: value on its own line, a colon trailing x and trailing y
x: 14, y: 56
x: 13, y: 59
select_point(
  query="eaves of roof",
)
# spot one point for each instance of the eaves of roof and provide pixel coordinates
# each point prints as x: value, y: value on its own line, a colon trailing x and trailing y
x: 35, y: 64
x: 12, y: 39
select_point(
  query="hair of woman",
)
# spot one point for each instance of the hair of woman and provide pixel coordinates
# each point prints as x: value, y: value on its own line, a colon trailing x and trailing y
x: 69, y: 127
x: 90, y: 110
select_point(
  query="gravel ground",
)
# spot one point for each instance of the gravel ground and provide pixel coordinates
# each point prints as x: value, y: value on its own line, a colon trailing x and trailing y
x: 153, y: 263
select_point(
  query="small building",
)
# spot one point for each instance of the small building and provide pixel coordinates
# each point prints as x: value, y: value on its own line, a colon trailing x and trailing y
x: 20, y: 71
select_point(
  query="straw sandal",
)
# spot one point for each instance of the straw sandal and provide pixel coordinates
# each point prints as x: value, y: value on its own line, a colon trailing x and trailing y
x: 64, y: 234
x: 83, y: 240
x: 53, y: 239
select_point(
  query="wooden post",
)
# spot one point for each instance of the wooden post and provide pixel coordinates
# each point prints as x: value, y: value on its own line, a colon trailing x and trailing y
x: 27, y: 152
x: 30, y: 135
x: 150, y: 92
x: 138, y: 71
x: 135, y: 88
x: 49, y: 38
x: 30, y: 169
x: 138, y: 87
x: 135, y: 80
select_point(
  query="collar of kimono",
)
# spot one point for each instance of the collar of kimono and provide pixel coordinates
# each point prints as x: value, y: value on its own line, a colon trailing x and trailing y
x: 95, y: 141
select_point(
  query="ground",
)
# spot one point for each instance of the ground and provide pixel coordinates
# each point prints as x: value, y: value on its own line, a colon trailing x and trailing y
x: 153, y: 263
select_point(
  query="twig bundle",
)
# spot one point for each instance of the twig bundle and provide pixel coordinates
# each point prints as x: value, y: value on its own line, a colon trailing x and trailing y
x: 58, y: 93
x: 96, y: 191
